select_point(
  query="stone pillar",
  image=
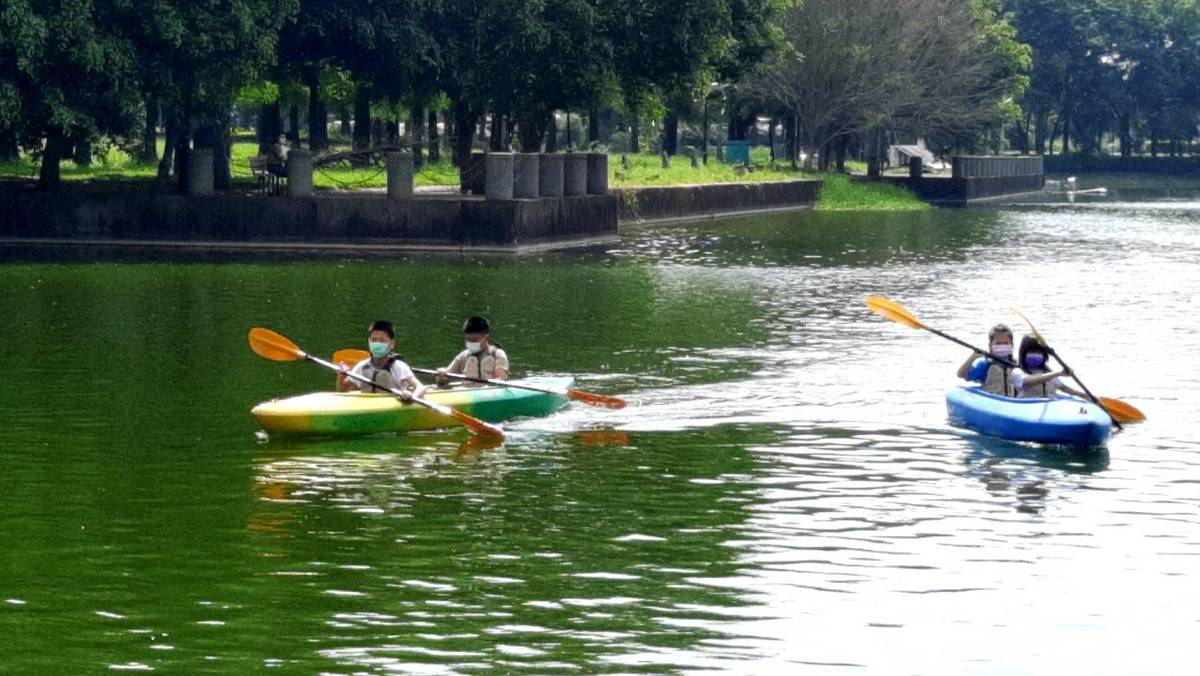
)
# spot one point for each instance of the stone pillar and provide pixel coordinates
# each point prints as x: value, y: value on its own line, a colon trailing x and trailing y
x: 914, y: 167
x: 299, y: 173
x: 498, y: 176
x: 550, y: 175
x: 575, y: 174
x: 526, y: 176
x: 597, y: 173
x: 399, y: 175
x: 200, y: 172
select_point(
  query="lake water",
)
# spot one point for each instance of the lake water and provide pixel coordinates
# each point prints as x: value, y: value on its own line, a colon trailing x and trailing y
x: 784, y: 493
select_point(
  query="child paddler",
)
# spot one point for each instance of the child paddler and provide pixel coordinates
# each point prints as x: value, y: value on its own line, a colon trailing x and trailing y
x: 994, y: 374
x: 481, y: 359
x: 383, y: 369
x: 1034, y: 378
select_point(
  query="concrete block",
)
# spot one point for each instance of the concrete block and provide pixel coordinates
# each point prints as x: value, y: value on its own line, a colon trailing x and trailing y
x: 550, y: 175
x: 498, y: 176
x: 597, y: 173
x: 299, y: 173
x: 200, y: 172
x: 575, y: 174
x: 526, y: 176
x: 399, y: 175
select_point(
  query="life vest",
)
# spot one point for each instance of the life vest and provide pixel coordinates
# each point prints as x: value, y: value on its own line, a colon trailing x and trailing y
x: 998, y: 380
x: 481, y: 365
x: 381, y: 378
x: 1045, y: 390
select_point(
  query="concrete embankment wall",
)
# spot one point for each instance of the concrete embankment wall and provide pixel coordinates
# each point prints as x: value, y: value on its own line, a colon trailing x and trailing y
x: 693, y: 202
x: 258, y: 220
x: 975, y: 178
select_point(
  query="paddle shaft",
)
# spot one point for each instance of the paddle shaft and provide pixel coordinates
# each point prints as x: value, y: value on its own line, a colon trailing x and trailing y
x: 1002, y: 360
x: 444, y: 410
x: 489, y: 381
x: 1094, y: 398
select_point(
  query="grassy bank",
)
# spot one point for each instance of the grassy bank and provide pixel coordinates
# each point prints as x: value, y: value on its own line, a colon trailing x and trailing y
x: 839, y: 193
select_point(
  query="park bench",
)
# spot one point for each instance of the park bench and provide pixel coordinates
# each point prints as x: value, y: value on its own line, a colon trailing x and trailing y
x: 269, y: 183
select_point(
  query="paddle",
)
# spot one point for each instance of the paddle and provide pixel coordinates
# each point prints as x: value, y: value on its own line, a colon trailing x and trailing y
x: 1118, y: 410
x: 590, y: 398
x: 273, y: 346
x: 890, y: 309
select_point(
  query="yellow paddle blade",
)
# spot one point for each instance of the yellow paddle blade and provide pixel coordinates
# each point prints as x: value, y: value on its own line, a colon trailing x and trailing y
x: 350, y: 357
x: 1033, y: 330
x: 1122, y: 411
x: 890, y: 309
x: 266, y: 343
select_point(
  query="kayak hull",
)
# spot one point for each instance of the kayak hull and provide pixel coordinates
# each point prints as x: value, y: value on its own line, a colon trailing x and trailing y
x: 1060, y: 420
x: 355, y: 413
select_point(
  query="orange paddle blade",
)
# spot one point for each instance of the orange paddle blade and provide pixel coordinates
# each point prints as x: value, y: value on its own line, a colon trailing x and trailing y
x: 890, y: 309
x: 1122, y: 411
x: 594, y: 399
x: 350, y: 356
x: 474, y: 424
x: 266, y: 343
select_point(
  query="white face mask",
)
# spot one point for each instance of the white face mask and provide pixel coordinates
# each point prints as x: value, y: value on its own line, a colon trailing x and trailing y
x: 1002, y: 350
x: 474, y: 348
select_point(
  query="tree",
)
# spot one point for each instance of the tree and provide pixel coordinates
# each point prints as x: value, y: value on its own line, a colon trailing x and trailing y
x: 64, y: 77
x: 863, y: 67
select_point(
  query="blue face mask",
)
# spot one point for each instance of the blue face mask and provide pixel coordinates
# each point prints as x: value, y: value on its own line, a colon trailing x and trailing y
x: 1035, y: 360
x: 378, y: 350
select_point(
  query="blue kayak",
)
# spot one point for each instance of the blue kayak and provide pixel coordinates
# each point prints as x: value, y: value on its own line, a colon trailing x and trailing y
x: 1060, y: 420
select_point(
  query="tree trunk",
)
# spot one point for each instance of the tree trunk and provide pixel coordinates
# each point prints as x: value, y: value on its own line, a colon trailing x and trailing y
x: 435, y: 143
x: 1154, y: 140
x: 50, y: 173
x: 269, y: 126
x: 294, y: 123
x: 362, y: 125
x: 498, y: 133
x: 1126, y: 137
x: 635, y: 132
x: 344, y: 115
x: 841, y: 146
x: 148, y: 153
x: 212, y: 136
x: 1066, y: 131
x: 82, y: 154
x: 1039, y: 134
x: 170, y: 131
x: 670, y: 136
x: 183, y: 144
x: 593, y: 126
x: 464, y: 129
x: 552, y: 133
x: 9, y: 152
x: 318, y: 134
x: 392, y: 131
x: 362, y: 119
x: 416, y: 135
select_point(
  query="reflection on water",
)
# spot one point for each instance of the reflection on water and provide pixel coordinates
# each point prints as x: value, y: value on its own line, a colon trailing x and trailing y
x: 783, y: 494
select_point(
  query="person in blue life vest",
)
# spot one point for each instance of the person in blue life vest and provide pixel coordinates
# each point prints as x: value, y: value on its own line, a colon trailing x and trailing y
x: 994, y: 374
x: 1034, y: 377
x: 481, y: 359
x: 383, y: 369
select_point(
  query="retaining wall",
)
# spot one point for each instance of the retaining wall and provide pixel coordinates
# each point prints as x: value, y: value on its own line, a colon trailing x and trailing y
x: 340, y: 219
x: 690, y: 202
